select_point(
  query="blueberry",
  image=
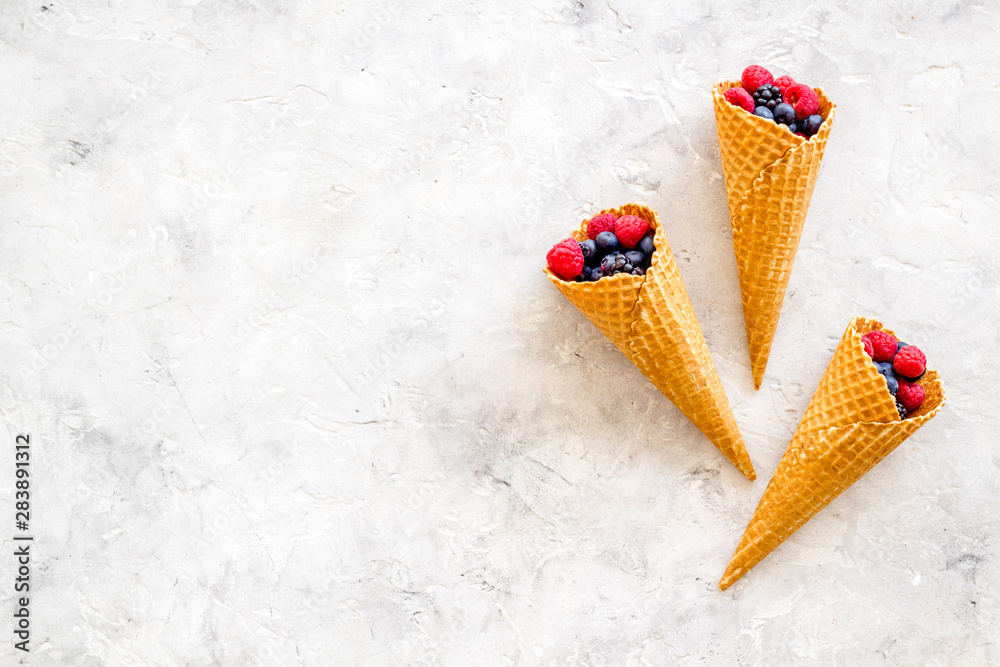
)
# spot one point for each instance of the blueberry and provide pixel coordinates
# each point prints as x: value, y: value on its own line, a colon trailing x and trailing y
x: 794, y: 127
x: 628, y: 268
x: 772, y: 104
x: 612, y: 262
x: 892, y: 383
x: 596, y: 274
x: 764, y: 93
x: 635, y: 257
x: 784, y: 114
x: 900, y: 345
x: 763, y: 112
x: 901, y: 410
x: 606, y: 242
x: 646, y: 246
x: 637, y: 272
x: 810, y: 125
x: 884, y: 368
x: 589, y: 249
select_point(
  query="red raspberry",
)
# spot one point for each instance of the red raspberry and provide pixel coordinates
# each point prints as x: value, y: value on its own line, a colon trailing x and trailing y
x: 740, y: 98
x: 784, y: 82
x: 867, y: 342
x: 883, y: 345
x: 630, y: 229
x: 566, y: 259
x: 605, y: 222
x: 910, y: 362
x: 910, y: 396
x: 803, y: 98
x: 754, y: 77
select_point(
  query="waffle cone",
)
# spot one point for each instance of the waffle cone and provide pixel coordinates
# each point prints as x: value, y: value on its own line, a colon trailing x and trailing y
x: 651, y: 320
x: 770, y: 174
x: 850, y: 425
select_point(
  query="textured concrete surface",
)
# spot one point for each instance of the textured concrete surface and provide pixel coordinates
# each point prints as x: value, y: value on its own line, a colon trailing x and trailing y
x: 274, y: 317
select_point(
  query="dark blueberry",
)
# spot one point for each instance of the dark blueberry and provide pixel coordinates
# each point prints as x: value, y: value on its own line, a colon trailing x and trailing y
x: 884, y: 368
x: 901, y: 410
x: 628, y: 268
x: 646, y: 246
x: 784, y: 114
x: 635, y: 257
x: 773, y: 103
x: 596, y: 274
x: 763, y: 112
x: 810, y: 125
x: 794, y: 127
x: 606, y: 242
x: 637, y: 272
x: 589, y: 249
x: 892, y: 383
x: 608, y: 264
x: 900, y: 345
x: 764, y: 93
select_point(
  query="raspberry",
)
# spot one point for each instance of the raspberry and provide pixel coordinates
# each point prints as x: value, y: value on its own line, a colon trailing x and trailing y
x: 740, y: 98
x: 605, y: 222
x: 910, y: 363
x: 754, y: 77
x: 784, y: 82
x: 566, y: 259
x: 867, y: 342
x: 883, y: 345
x: 910, y: 396
x: 803, y: 98
x: 630, y: 229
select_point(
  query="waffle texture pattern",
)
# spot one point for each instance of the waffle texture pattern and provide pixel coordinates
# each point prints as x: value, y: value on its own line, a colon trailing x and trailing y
x: 850, y: 425
x: 770, y: 174
x: 651, y: 320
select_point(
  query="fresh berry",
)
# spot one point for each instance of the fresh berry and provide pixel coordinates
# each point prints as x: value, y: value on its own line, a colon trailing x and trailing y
x: 646, y: 246
x: 612, y: 263
x: 754, y: 77
x: 763, y: 112
x: 793, y: 128
x: 628, y: 268
x: 891, y: 383
x: 910, y: 395
x: 566, y: 259
x: 606, y: 242
x: 605, y: 222
x: 768, y: 96
x: 867, y: 342
x: 901, y: 410
x: 799, y: 134
x: 589, y: 250
x: 883, y: 345
x: 635, y: 257
x: 910, y: 363
x: 596, y: 274
x: 900, y: 345
x: 810, y: 125
x: 784, y: 114
x: 637, y: 272
x: 784, y: 82
x: 803, y: 98
x: 740, y: 98
x: 630, y: 229
x: 884, y: 368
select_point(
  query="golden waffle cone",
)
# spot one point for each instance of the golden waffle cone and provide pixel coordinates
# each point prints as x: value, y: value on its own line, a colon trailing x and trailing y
x: 770, y: 174
x: 651, y: 320
x: 850, y: 425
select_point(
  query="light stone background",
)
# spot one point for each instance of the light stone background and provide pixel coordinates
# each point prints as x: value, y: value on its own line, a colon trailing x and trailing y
x: 300, y: 394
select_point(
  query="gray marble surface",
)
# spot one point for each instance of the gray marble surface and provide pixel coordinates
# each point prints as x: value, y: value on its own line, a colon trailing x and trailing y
x: 274, y: 317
